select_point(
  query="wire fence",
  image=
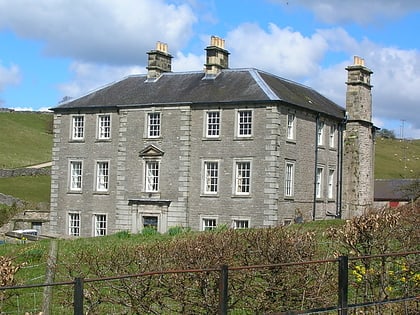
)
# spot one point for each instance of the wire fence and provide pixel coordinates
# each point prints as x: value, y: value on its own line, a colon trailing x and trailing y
x: 379, y: 284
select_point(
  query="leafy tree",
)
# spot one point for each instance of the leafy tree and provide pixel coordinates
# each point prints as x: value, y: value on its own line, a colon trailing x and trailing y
x: 386, y: 133
x: 412, y: 189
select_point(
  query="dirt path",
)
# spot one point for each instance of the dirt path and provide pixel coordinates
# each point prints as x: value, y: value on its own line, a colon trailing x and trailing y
x: 42, y: 165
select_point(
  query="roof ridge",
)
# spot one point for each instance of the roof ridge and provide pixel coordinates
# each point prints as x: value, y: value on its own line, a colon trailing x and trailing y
x: 263, y: 85
x: 287, y: 80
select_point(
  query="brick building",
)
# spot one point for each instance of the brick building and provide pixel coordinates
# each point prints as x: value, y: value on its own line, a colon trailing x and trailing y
x: 240, y: 147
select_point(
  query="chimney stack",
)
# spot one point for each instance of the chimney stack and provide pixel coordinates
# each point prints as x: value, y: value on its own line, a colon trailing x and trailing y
x: 159, y: 61
x: 358, y: 142
x: 217, y: 56
x: 358, y: 97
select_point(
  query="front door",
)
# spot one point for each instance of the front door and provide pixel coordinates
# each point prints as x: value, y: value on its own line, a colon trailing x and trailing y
x: 150, y: 221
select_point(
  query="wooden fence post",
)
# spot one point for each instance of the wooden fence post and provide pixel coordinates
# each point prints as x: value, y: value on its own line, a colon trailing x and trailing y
x: 223, y: 290
x: 78, y: 296
x: 343, y: 284
x: 49, y: 277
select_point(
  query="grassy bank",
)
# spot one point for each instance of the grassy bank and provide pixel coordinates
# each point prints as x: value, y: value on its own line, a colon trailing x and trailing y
x: 33, y: 189
x: 25, y: 139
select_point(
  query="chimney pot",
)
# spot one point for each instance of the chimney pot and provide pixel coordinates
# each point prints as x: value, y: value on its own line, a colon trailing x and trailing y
x: 358, y: 61
x: 163, y: 47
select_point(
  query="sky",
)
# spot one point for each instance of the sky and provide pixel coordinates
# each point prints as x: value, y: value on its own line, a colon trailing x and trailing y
x: 51, y: 49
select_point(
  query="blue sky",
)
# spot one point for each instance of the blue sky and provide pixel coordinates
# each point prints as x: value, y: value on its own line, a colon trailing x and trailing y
x: 50, y: 49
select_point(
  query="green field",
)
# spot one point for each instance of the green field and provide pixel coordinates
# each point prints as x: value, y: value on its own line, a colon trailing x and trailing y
x: 25, y: 139
x: 395, y: 158
x: 33, y: 189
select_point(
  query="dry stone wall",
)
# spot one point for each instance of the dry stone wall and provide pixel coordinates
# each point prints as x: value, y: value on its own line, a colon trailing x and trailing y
x: 24, y: 172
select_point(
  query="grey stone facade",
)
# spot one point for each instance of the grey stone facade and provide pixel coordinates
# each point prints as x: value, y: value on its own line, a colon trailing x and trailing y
x: 283, y: 169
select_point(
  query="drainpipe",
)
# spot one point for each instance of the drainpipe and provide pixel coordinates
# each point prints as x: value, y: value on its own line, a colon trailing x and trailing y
x: 315, y: 166
x: 339, y: 188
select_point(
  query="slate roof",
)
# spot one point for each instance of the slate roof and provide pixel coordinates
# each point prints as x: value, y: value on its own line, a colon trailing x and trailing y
x: 229, y: 86
x: 393, y: 189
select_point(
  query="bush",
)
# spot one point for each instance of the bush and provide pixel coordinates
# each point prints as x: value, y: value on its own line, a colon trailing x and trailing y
x: 257, y: 291
x: 122, y: 235
x: 375, y: 233
x: 149, y: 231
x: 7, y: 212
x: 178, y: 230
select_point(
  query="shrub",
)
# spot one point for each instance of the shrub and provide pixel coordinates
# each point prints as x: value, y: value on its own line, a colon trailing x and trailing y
x: 178, y: 230
x: 266, y: 290
x: 380, y: 232
x: 122, y: 235
x: 149, y: 231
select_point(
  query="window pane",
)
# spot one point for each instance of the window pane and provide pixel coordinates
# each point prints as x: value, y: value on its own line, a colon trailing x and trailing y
x: 319, y: 172
x: 243, y: 177
x: 152, y: 176
x: 100, y: 224
x: 76, y: 175
x: 213, y: 124
x: 209, y: 224
x: 290, y: 126
x: 104, y: 126
x: 331, y: 184
x: 154, y: 125
x: 211, y: 176
x: 74, y: 224
x: 289, y: 180
x: 332, y: 136
x: 320, y: 133
x: 78, y: 127
x: 241, y: 224
x: 245, y: 123
x: 102, y: 176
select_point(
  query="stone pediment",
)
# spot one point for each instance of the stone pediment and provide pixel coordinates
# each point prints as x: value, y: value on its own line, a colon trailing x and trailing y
x: 151, y: 151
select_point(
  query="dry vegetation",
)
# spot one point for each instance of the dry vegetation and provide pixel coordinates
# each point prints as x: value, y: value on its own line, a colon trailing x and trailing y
x: 266, y: 290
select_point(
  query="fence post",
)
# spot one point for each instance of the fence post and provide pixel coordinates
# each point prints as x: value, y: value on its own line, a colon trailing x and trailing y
x: 49, y: 277
x: 343, y: 284
x: 78, y: 296
x: 223, y: 290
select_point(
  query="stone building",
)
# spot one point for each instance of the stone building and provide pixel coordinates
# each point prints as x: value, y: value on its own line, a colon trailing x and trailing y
x: 240, y: 147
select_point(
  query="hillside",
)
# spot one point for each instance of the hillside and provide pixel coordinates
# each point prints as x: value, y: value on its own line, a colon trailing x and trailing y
x: 395, y: 158
x: 25, y: 138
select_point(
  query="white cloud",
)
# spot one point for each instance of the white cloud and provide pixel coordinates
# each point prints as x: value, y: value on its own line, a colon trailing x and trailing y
x: 91, y: 76
x: 359, y: 11
x: 9, y: 75
x: 113, y: 31
x: 282, y: 51
x: 188, y: 62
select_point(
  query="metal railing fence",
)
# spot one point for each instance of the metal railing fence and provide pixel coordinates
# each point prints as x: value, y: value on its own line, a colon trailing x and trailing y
x: 350, y: 271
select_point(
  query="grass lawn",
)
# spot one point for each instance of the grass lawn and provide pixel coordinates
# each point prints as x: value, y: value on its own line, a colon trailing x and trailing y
x: 34, y: 189
x: 395, y: 158
x: 24, y: 139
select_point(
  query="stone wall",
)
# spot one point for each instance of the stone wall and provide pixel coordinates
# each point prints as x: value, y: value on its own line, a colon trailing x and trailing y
x: 10, y: 200
x: 24, y: 172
